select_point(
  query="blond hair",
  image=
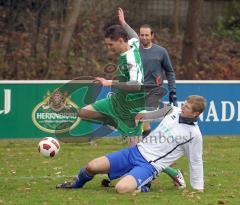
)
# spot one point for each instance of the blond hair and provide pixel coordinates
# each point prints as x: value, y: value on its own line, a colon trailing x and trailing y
x: 198, y: 103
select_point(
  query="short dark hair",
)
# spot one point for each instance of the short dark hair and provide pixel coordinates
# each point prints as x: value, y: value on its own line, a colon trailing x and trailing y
x: 115, y: 32
x: 147, y: 26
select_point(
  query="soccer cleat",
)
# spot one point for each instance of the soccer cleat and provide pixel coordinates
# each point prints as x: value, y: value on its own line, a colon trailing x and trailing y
x: 65, y: 185
x: 68, y: 185
x: 179, y: 180
x: 105, y: 183
x: 146, y: 187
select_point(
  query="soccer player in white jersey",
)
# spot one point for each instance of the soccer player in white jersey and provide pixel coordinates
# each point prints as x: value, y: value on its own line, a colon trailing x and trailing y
x: 177, y: 134
x: 155, y: 60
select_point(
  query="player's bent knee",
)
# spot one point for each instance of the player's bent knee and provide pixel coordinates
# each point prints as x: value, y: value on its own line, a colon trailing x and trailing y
x: 98, y: 166
x: 126, y: 184
x: 120, y: 188
x: 91, y: 167
x: 82, y: 113
x: 88, y: 112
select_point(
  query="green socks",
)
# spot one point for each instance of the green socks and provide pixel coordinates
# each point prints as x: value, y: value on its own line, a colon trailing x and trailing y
x: 171, y: 172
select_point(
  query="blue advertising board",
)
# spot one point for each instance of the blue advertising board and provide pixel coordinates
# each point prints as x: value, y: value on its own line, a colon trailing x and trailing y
x: 222, y: 114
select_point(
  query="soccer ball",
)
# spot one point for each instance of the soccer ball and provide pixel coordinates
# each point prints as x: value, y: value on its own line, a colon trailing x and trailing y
x: 48, y: 146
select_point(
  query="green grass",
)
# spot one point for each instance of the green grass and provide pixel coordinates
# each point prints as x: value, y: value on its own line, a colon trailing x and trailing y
x: 28, y: 178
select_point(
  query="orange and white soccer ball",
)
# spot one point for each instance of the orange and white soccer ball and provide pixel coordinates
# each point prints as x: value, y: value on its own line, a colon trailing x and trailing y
x: 49, y: 147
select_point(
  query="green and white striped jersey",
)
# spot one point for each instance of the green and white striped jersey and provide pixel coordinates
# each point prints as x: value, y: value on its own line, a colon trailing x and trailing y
x: 130, y: 69
x: 130, y: 66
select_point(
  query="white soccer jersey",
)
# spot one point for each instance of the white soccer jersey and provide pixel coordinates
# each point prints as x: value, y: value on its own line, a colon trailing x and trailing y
x: 170, y: 141
x: 130, y: 64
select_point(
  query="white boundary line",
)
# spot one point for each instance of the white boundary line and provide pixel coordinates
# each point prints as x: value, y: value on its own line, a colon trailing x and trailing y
x: 90, y: 81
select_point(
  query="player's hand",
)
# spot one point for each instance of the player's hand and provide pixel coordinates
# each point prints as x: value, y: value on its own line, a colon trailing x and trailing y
x: 173, y: 98
x: 102, y: 81
x: 121, y: 17
x: 138, y: 118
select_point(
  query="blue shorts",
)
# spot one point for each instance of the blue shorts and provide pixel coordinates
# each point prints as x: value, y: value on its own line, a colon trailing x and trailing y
x: 129, y: 161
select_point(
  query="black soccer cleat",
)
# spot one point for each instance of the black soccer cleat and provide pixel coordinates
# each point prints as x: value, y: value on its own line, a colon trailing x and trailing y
x: 105, y: 183
x: 146, y: 187
x: 65, y: 185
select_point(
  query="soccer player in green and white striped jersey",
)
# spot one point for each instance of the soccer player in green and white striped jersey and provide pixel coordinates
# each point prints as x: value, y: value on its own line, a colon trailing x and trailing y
x: 120, y: 108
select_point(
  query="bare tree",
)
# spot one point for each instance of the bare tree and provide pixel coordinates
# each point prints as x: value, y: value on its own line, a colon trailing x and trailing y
x: 191, y: 35
x: 176, y: 16
x: 36, y: 32
x: 71, y: 21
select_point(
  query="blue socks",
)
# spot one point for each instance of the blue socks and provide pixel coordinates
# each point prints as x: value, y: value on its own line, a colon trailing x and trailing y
x: 145, y: 189
x: 82, y: 178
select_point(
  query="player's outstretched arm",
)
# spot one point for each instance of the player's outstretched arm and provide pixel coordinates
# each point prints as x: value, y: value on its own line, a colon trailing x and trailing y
x: 121, y: 16
x: 131, y: 86
x: 102, y: 81
x: 126, y: 27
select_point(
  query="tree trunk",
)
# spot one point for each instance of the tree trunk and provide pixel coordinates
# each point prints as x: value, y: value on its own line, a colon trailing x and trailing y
x: 176, y: 16
x: 36, y: 33
x: 70, y: 25
x: 190, y: 42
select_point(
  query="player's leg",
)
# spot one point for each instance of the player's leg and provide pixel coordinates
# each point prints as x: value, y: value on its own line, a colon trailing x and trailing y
x: 88, y: 112
x: 127, y: 127
x: 96, y: 166
x: 115, y: 165
x: 175, y: 175
x: 99, y: 165
x: 98, y: 112
x: 136, y: 179
x: 126, y: 184
x: 102, y: 111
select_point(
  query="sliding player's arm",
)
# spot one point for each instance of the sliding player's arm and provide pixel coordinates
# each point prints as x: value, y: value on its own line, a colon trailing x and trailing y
x: 194, y: 153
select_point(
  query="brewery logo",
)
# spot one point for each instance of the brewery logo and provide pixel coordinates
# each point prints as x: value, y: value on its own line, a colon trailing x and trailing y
x: 56, y: 113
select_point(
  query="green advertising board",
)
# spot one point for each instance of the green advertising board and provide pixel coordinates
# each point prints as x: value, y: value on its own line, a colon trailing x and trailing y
x: 36, y: 109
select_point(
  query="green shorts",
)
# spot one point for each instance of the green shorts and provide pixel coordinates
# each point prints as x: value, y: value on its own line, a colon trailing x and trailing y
x: 124, y: 122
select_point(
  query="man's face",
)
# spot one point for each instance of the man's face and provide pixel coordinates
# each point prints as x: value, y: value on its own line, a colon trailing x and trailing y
x: 187, y: 110
x: 113, y: 46
x: 145, y: 36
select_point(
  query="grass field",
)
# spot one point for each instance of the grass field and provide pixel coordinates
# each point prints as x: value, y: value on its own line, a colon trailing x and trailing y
x: 28, y: 178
